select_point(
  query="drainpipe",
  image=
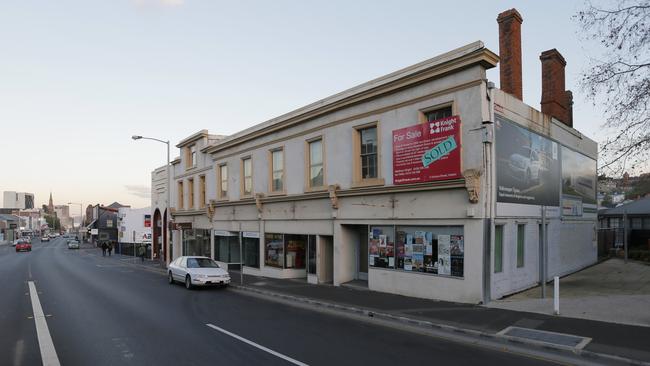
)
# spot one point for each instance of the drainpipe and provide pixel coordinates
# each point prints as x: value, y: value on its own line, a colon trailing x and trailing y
x: 487, y: 130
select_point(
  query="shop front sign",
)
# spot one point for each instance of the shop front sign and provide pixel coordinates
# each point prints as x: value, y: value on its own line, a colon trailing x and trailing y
x: 427, y: 152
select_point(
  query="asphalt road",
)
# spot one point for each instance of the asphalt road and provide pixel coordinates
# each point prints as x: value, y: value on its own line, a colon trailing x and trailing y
x: 102, y: 311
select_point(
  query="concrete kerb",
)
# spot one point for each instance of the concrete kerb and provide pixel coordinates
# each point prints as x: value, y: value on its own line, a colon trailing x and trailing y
x: 477, y: 337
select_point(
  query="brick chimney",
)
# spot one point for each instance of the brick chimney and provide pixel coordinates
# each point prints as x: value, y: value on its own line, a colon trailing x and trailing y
x: 556, y: 100
x: 510, y: 52
x: 569, y: 106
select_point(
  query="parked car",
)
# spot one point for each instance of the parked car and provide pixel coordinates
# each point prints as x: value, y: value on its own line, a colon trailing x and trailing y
x: 197, y: 271
x: 73, y: 244
x: 45, y: 238
x: 23, y: 246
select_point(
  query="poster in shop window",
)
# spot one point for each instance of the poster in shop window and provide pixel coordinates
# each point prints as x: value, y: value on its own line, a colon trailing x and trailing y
x: 444, y: 254
x: 427, y: 152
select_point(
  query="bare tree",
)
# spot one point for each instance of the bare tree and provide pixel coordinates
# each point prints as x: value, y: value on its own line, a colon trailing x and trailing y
x: 619, y: 81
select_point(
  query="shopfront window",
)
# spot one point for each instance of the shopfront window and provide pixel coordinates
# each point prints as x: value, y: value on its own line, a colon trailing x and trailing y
x: 295, y: 250
x: 285, y: 250
x: 381, y: 246
x: 251, y: 251
x: 196, y: 242
x: 226, y: 247
x: 311, y: 255
x: 426, y: 249
x: 274, y: 250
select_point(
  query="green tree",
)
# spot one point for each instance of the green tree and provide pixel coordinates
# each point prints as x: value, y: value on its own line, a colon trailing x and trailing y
x: 53, y: 222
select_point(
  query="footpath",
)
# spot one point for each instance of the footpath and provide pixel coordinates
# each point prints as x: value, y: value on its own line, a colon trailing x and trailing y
x: 568, y: 340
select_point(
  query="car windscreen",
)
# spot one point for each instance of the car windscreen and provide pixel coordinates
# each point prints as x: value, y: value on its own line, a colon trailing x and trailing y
x: 201, y: 263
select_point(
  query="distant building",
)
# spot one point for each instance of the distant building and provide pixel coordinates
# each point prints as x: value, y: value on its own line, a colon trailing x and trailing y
x: 135, y: 226
x: 19, y: 200
x: 103, y: 224
x: 63, y: 214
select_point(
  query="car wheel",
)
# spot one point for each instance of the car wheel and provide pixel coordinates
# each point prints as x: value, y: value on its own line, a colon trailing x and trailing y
x: 188, y: 282
x: 170, y: 278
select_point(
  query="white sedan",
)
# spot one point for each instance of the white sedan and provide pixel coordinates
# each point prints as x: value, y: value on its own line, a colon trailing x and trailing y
x: 197, y: 271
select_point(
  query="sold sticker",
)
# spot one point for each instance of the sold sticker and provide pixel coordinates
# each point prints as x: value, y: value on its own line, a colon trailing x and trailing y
x: 444, y: 148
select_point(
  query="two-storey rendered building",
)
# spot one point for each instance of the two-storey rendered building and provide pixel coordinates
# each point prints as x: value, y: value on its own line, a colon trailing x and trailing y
x: 427, y: 182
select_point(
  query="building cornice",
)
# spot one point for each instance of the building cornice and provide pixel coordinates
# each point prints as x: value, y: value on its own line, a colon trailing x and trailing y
x: 193, y: 137
x: 193, y: 171
x: 420, y: 187
x: 463, y: 57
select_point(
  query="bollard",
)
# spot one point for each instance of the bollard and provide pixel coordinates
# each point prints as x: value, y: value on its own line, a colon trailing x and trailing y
x: 556, y: 295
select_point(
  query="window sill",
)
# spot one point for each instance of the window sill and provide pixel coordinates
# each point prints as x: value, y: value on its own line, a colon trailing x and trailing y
x: 315, y: 189
x: 278, y: 193
x: 369, y: 183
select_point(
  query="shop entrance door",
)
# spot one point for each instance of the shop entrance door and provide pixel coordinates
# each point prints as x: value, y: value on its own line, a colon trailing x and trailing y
x: 362, y: 253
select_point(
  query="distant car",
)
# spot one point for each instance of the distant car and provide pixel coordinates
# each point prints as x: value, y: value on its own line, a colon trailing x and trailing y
x: 23, y: 246
x: 197, y: 271
x: 51, y: 236
x: 16, y: 242
x: 73, y: 244
x: 45, y: 238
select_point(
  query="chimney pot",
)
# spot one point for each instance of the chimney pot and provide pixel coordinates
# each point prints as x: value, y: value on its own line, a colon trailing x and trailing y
x: 510, y: 52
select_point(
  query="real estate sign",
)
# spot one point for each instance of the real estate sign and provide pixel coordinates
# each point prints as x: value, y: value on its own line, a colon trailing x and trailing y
x: 427, y: 152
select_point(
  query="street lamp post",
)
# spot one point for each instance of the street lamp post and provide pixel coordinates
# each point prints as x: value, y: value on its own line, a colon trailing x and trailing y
x: 81, y: 222
x: 169, y: 187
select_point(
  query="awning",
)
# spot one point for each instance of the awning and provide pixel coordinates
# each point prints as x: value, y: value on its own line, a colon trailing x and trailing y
x: 91, y: 224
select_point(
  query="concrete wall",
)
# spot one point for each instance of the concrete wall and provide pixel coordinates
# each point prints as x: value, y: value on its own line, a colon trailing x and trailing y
x: 571, y: 240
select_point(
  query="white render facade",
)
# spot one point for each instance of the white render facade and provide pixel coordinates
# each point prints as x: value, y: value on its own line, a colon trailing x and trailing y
x: 134, y: 225
x: 356, y: 223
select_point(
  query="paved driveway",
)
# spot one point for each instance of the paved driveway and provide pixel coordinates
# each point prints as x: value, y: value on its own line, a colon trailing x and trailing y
x: 610, y: 291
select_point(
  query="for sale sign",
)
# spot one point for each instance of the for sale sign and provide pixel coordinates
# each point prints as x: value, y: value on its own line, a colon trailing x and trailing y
x: 427, y: 151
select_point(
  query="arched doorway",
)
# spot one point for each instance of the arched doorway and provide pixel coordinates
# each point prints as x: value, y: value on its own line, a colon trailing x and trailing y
x: 166, y: 256
x: 157, y: 234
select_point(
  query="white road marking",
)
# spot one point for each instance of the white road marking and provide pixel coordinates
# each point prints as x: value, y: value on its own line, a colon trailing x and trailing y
x: 48, y: 353
x: 19, y: 351
x: 277, y: 354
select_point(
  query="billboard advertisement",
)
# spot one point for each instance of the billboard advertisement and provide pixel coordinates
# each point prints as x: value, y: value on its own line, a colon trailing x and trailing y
x: 578, y: 182
x: 427, y: 152
x: 528, y: 166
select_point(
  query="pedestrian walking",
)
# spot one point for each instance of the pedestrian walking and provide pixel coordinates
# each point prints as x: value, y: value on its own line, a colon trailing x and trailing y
x: 110, y: 248
x: 104, y: 248
x: 141, y: 252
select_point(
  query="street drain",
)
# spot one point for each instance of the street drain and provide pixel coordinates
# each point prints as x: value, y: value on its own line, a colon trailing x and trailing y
x: 545, y: 337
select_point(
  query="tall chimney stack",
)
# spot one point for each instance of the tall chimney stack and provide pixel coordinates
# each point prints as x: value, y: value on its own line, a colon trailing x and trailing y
x: 556, y: 101
x: 510, y: 52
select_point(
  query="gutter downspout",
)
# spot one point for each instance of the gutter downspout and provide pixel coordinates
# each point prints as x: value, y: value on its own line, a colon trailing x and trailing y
x: 488, y: 134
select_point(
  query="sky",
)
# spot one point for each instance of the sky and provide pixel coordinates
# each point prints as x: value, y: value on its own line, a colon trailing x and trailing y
x: 78, y: 78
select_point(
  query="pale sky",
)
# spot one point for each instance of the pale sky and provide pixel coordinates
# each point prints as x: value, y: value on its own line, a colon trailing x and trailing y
x: 79, y: 77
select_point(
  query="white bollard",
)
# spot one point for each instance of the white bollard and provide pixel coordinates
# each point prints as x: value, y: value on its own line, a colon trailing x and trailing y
x: 556, y: 295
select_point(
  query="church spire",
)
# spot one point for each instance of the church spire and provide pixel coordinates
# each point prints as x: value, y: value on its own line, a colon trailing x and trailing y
x: 50, y: 206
